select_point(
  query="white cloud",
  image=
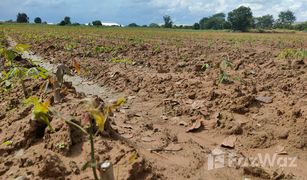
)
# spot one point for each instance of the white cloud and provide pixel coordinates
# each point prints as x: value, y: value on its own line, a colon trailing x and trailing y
x: 259, y: 7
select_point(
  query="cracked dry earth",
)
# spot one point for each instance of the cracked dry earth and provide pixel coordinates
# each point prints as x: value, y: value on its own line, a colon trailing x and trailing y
x: 177, y: 113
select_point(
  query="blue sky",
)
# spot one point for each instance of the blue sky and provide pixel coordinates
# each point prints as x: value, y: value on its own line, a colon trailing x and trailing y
x: 142, y: 11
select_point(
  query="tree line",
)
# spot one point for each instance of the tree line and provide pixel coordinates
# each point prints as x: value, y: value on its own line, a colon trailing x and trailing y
x: 239, y: 19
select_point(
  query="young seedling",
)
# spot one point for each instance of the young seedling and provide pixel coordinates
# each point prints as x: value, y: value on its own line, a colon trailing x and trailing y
x: 124, y: 60
x: 100, y: 117
x: 40, y: 110
x: 205, y: 66
x: 21, y: 73
x: 96, y: 116
x: 223, y: 76
x: 18, y: 71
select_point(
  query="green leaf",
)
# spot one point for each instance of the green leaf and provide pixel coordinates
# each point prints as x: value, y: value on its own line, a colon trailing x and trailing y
x: 61, y: 146
x: 22, y: 48
x: 39, y: 111
x: 18, y: 72
x: 9, y: 56
x: 7, y: 143
x: 205, y: 66
x: 124, y: 60
x: 37, y: 72
x: 7, y: 84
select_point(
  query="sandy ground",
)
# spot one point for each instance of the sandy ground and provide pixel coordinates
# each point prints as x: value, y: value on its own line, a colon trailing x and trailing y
x: 178, y: 116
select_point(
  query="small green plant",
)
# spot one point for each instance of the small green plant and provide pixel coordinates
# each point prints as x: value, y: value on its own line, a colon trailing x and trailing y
x: 97, y: 118
x: 20, y: 74
x: 157, y: 49
x: 292, y: 54
x: 7, y: 143
x: 70, y: 46
x: 61, y: 146
x: 123, y: 60
x: 40, y: 110
x: 223, y: 77
x: 225, y: 64
x: 205, y: 66
x: 16, y: 71
x: 103, y: 49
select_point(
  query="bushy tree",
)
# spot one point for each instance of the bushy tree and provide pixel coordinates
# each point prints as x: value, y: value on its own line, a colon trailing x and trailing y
x: 196, y: 26
x: 62, y: 23
x: 264, y: 22
x: 38, y: 20
x: 133, y: 25
x: 75, y: 24
x: 217, y: 21
x: 168, y: 23
x: 97, y: 23
x: 65, y: 22
x: 241, y: 18
x: 202, y: 23
x: 285, y: 19
x: 22, y: 18
x: 301, y: 26
x: 154, y: 25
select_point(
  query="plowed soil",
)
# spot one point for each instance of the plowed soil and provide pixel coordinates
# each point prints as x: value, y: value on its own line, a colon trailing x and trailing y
x: 189, y: 94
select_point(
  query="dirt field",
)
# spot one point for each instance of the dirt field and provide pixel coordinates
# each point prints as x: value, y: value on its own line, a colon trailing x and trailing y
x: 189, y: 95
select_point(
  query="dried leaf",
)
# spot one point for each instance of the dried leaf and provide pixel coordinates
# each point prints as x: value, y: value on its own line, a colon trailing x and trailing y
x: 281, y: 150
x: 229, y: 142
x: 173, y: 147
x: 77, y: 66
x: 196, y: 125
x: 133, y: 157
x: 117, y: 104
x: 148, y: 139
x: 264, y: 99
x: 210, y: 124
x: 100, y: 118
x: 128, y: 136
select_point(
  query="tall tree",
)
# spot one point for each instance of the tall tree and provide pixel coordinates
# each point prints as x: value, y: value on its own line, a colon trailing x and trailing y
x: 168, y: 23
x: 97, y: 23
x: 22, y: 18
x: 264, y: 22
x: 38, y: 20
x: 133, y: 25
x: 154, y: 25
x: 196, y: 26
x: 202, y: 23
x: 241, y: 18
x: 67, y: 20
x: 286, y: 17
x: 216, y: 21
